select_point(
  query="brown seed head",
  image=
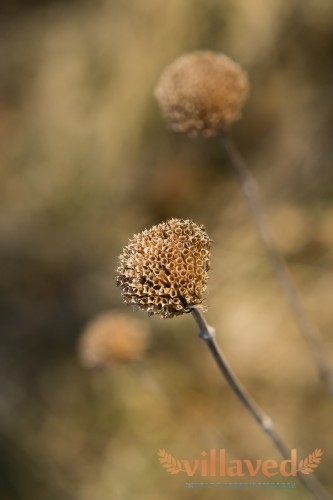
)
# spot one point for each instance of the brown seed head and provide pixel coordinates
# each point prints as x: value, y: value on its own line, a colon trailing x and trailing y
x: 112, y: 338
x: 163, y: 270
x: 202, y: 92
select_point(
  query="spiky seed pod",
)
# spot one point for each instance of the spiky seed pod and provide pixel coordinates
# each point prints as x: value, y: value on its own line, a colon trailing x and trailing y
x: 202, y: 92
x: 112, y: 338
x: 163, y: 270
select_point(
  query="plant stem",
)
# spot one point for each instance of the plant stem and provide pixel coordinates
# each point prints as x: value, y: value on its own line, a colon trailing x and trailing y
x: 207, y: 333
x: 309, y: 330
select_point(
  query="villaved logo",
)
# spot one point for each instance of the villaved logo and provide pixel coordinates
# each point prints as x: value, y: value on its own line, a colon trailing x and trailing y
x: 214, y: 463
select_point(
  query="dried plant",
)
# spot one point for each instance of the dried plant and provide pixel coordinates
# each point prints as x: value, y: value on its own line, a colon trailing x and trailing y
x: 163, y: 270
x: 113, y: 338
x: 201, y: 93
x: 141, y: 279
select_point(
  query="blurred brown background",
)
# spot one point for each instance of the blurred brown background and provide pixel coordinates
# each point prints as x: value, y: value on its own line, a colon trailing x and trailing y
x: 86, y: 161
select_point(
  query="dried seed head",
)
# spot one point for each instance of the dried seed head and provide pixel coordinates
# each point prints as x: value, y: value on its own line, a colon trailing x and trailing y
x: 202, y: 92
x: 112, y: 338
x: 163, y: 270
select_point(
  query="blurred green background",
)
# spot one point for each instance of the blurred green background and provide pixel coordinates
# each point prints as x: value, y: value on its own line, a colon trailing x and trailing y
x: 86, y: 161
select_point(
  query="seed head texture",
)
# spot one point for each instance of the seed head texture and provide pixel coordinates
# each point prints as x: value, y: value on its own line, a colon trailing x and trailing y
x: 202, y: 92
x: 164, y: 269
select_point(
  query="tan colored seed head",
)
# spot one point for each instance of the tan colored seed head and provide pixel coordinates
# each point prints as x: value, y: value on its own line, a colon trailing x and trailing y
x: 112, y: 338
x: 202, y: 92
x: 163, y: 270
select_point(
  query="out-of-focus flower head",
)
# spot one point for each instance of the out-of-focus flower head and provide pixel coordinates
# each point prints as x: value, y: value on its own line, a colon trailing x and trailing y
x: 113, y: 338
x: 202, y: 92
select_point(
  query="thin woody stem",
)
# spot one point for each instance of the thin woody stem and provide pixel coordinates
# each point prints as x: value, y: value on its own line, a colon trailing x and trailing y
x: 207, y: 333
x: 309, y: 330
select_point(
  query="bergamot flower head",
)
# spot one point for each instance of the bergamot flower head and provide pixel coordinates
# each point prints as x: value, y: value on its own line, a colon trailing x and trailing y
x: 113, y: 338
x: 164, y: 269
x: 202, y: 92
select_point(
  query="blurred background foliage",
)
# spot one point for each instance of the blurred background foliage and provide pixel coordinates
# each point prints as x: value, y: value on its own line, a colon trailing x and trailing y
x: 86, y: 161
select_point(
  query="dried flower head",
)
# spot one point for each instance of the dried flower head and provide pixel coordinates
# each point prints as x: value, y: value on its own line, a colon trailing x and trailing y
x: 202, y: 92
x: 163, y: 270
x: 112, y: 338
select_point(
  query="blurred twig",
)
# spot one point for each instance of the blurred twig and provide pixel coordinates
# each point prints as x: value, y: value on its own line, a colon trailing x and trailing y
x: 308, y: 329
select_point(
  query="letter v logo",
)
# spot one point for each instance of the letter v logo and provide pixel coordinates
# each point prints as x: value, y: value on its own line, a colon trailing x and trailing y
x: 190, y: 471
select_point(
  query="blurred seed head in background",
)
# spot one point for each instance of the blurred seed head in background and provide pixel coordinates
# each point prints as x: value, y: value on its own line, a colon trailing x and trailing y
x: 113, y: 338
x: 202, y: 92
